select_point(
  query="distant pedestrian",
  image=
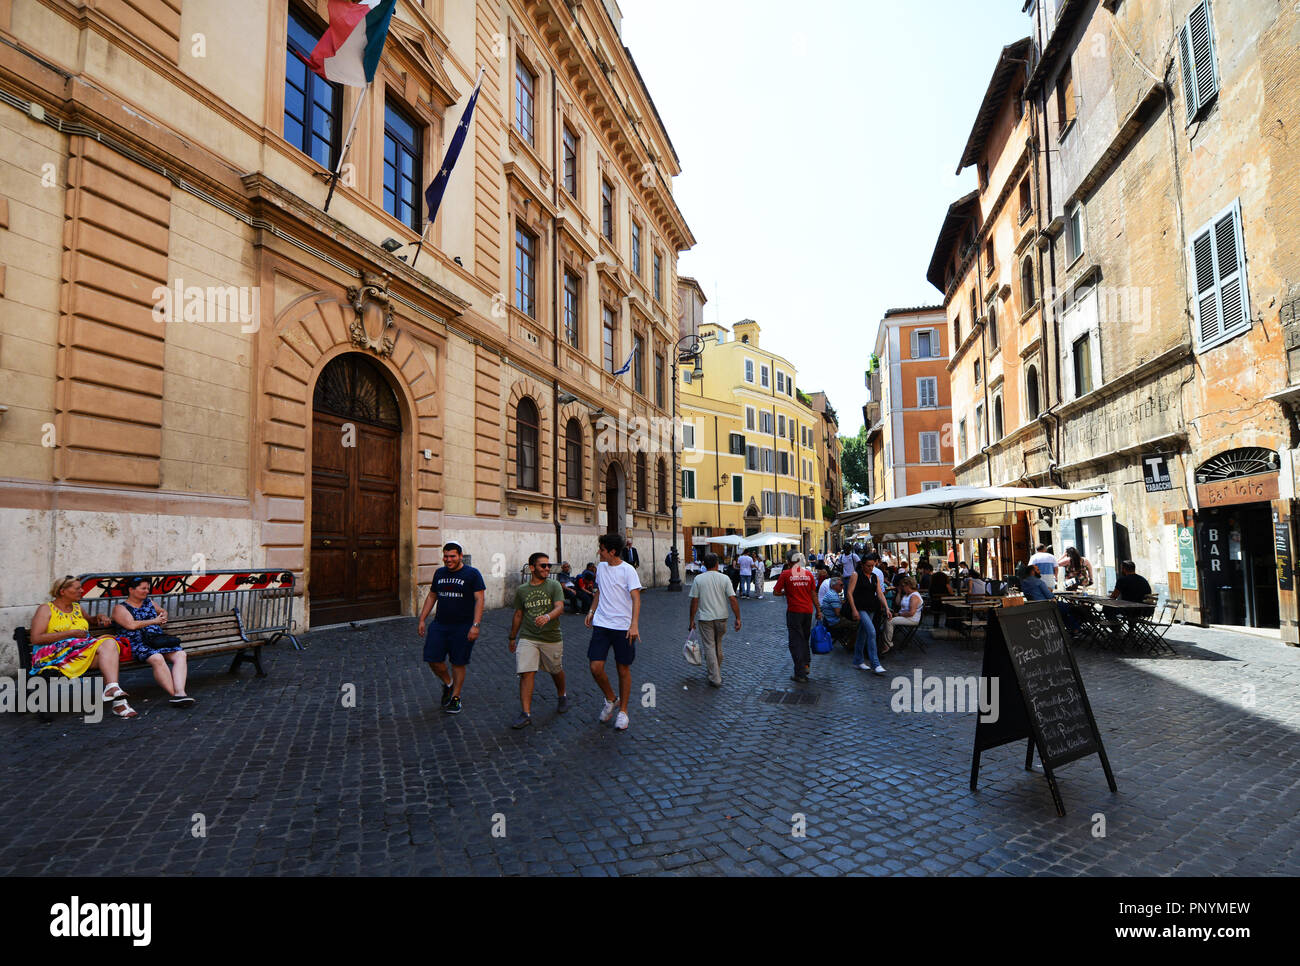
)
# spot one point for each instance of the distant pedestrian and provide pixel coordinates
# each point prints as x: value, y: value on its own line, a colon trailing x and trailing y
x: 866, y: 596
x: 1078, y: 571
x: 630, y: 554
x: 1046, y: 564
x: 848, y: 563
x: 457, y: 592
x: 797, y: 586
x: 613, y: 622
x: 711, y: 595
x: 746, y: 565
x: 535, y: 638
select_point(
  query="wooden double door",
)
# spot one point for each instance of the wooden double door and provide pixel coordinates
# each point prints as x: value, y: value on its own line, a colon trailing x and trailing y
x: 355, y: 506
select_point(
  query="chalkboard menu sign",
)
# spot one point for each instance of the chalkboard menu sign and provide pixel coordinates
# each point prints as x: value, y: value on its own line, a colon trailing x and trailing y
x: 1040, y: 691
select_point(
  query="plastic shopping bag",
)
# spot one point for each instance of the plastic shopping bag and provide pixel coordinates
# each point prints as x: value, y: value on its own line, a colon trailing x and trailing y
x: 691, y: 650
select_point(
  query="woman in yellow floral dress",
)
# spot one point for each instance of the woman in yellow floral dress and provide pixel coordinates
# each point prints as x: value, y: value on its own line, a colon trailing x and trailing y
x: 62, y: 641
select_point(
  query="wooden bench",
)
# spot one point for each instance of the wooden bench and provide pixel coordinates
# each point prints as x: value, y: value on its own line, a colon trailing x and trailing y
x: 204, y: 635
x: 212, y: 612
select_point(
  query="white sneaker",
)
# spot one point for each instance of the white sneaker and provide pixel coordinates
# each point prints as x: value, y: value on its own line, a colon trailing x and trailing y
x: 607, y: 712
x: 620, y: 723
x: 862, y: 667
x: 879, y: 670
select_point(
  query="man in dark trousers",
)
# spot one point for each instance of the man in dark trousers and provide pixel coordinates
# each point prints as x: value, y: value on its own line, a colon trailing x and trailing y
x: 629, y: 553
x: 798, y: 586
x: 457, y: 591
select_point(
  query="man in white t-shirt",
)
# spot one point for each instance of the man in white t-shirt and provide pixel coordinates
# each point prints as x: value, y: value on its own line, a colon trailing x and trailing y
x: 1046, y: 564
x: 746, y: 564
x: 848, y: 563
x: 613, y: 617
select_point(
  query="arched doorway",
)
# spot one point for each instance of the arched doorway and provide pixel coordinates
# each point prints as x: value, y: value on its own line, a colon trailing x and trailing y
x: 355, y: 493
x: 615, y: 499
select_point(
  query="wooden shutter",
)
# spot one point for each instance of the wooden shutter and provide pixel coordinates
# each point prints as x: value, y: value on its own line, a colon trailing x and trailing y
x: 1218, y: 256
x: 1202, y: 34
x: 1189, y: 72
x: 913, y: 336
x: 1196, y: 46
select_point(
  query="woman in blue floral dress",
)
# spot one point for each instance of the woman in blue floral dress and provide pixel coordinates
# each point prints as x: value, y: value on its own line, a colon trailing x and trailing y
x: 143, y: 625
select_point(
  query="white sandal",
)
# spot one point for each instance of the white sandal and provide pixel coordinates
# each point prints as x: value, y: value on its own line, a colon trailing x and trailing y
x: 113, y: 692
x: 123, y: 710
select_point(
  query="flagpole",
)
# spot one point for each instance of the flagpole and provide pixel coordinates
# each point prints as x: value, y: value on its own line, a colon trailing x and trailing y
x: 429, y: 224
x: 420, y: 244
x: 347, y: 143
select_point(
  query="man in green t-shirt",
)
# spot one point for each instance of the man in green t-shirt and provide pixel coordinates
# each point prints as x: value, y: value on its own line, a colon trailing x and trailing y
x: 535, y: 635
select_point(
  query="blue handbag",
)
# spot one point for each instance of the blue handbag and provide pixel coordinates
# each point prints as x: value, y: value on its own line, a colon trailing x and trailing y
x: 821, y: 639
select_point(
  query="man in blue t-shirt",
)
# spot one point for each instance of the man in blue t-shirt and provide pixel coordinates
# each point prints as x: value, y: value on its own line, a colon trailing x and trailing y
x: 457, y: 591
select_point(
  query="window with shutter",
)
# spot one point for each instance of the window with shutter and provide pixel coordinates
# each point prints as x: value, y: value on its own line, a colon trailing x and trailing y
x: 929, y: 447
x: 927, y: 391
x: 751, y: 458
x: 749, y: 417
x: 1200, y: 73
x: 737, y: 489
x: 1218, y: 255
x: 737, y: 444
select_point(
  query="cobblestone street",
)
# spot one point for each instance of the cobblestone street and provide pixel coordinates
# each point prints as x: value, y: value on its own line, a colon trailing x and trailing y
x: 286, y: 779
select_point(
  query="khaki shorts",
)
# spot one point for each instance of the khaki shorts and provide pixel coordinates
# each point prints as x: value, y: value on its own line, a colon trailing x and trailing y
x: 533, y: 655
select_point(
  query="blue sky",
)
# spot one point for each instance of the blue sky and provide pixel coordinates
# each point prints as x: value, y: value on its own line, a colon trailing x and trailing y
x: 818, y: 150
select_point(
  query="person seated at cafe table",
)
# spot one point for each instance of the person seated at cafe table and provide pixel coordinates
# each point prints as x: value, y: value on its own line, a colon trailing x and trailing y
x: 1034, y: 587
x: 976, y: 586
x: 1132, y: 587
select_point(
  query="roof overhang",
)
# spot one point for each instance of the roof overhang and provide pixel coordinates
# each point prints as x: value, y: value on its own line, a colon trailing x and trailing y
x: 959, y: 212
x: 1014, y: 58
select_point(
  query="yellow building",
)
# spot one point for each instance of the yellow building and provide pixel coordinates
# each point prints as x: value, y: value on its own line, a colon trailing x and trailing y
x: 749, y: 449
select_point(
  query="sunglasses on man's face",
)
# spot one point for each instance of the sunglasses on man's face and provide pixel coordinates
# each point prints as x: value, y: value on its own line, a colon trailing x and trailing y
x: 542, y: 566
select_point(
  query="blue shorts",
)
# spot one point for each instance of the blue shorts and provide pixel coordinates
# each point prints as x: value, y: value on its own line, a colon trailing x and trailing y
x: 444, y: 639
x: 602, y: 638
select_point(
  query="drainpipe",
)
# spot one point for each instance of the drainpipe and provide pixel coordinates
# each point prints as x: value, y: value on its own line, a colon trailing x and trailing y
x: 555, y: 325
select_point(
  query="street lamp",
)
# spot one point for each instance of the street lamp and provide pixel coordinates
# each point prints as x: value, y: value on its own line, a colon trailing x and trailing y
x: 688, y: 350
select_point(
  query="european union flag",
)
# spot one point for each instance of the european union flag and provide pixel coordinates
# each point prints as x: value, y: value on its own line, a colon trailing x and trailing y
x: 433, y: 194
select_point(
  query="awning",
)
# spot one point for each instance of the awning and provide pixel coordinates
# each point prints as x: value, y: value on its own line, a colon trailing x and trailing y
x: 963, y: 533
x: 959, y: 506
x: 726, y: 540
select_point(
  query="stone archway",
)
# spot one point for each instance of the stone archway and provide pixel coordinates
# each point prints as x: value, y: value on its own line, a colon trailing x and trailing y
x: 307, y: 335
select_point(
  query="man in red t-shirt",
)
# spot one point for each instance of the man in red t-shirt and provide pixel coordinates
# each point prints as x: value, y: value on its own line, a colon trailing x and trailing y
x: 798, y: 586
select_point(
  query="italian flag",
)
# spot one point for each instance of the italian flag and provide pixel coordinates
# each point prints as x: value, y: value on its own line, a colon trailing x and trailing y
x: 349, y: 51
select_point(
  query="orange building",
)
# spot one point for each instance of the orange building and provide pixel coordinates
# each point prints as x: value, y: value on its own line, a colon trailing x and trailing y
x: 915, y: 415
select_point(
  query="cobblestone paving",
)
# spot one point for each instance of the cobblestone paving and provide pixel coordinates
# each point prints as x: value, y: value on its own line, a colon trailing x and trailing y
x: 288, y: 780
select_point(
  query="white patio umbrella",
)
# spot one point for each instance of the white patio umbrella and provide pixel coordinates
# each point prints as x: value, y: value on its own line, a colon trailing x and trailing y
x: 727, y: 540
x: 960, y: 506
x: 767, y: 539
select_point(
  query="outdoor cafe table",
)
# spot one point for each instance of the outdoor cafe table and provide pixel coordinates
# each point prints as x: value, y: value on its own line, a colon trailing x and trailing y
x: 968, y: 610
x: 1104, y: 620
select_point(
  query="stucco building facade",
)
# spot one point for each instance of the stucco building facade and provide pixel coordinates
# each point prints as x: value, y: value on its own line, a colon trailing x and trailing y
x: 749, y: 452
x: 202, y: 367
x: 1172, y: 217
